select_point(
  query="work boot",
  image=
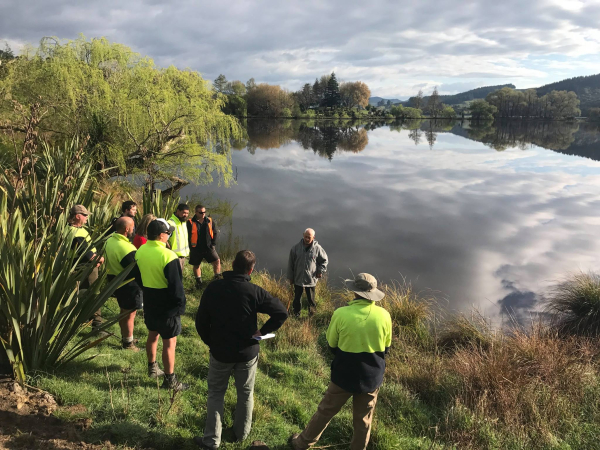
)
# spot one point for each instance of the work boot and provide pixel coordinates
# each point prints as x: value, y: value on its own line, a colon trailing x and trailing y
x: 154, y: 371
x: 130, y: 346
x: 171, y: 382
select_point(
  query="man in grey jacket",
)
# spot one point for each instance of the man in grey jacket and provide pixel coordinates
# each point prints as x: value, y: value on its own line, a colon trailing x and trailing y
x: 307, y: 263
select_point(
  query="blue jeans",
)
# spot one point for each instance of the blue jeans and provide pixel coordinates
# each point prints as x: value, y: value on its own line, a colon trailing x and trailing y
x: 244, y: 374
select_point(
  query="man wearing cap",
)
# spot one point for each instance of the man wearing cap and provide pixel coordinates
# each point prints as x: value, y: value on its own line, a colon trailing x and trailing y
x: 164, y: 300
x: 178, y: 241
x: 306, y: 264
x: 359, y: 335
x: 120, y: 253
x: 78, y: 216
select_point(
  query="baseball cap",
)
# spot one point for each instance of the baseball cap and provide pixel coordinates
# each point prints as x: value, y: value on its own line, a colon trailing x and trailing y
x: 158, y: 226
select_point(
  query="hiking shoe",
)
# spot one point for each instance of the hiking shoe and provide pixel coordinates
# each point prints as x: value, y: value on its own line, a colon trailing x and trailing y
x: 199, y: 284
x: 130, y: 346
x: 154, y: 371
x: 173, y: 383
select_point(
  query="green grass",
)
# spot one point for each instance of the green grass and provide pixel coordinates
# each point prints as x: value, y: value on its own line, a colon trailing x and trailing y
x: 534, y: 391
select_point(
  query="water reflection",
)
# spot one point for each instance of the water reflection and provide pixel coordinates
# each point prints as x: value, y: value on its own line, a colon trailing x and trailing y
x: 434, y: 202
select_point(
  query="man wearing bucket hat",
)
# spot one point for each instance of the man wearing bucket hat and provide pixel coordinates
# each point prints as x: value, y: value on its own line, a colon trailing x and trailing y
x: 359, y: 335
x: 164, y: 300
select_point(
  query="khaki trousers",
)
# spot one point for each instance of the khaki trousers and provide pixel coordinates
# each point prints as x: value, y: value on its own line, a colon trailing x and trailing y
x: 363, y: 406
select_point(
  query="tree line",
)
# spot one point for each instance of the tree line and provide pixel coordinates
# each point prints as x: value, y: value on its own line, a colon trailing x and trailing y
x: 511, y: 103
x: 325, y: 97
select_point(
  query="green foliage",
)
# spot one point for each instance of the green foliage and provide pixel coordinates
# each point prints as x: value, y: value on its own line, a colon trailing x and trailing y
x: 42, y: 309
x: 405, y: 113
x: 447, y: 112
x: 482, y: 110
x: 526, y: 104
x: 140, y: 118
x: 331, y: 98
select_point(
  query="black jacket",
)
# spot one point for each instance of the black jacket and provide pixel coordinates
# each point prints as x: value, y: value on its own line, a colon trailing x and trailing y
x: 204, y: 240
x: 227, y: 317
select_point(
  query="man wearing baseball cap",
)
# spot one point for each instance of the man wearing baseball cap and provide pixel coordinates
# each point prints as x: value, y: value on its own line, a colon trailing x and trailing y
x: 78, y: 216
x: 359, y: 335
x: 164, y: 300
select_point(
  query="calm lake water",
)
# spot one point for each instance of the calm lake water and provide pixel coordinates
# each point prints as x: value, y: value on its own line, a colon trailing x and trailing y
x: 486, y: 216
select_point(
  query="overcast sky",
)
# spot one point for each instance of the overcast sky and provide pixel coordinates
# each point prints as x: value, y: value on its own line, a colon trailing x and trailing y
x: 396, y: 47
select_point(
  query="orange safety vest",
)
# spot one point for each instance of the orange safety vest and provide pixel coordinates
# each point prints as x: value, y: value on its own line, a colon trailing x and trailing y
x: 194, y: 240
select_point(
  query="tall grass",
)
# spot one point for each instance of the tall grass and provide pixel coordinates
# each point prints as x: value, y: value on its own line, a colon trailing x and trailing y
x: 574, y: 305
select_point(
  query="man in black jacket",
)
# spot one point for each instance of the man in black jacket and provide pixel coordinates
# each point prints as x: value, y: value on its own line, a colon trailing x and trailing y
x: 202, y: 236
x: 227, y: 323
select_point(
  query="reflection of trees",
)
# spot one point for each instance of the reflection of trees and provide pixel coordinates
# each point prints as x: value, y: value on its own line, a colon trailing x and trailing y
x: 323, y: 138
x: 500, y: 136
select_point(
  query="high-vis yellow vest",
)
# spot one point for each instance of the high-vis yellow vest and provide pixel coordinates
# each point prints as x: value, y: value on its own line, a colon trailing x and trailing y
x: 152, y: 257
x: 179, y: 239
x: 117, y: 247
x: 82, y: 232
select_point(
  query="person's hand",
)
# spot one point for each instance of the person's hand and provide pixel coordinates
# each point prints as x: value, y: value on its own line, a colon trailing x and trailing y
x: 319, y: 275
x: 256, y: 334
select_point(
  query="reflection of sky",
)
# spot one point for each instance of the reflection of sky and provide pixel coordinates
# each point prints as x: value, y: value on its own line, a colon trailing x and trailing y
x: 485, y: 228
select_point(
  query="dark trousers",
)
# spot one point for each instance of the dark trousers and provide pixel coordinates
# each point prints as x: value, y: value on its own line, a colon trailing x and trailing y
x: 310, y: 296
x: 97, y: 317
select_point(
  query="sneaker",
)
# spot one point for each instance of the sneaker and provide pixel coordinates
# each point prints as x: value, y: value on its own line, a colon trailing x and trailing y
x: 154, y: 371
x: 174, y: 383
x: 130, y: 346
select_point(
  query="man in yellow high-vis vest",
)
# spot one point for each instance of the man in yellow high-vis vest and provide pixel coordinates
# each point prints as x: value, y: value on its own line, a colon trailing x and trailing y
x: 120, y: 253
x: 179, y: 241
x: 164, y: 299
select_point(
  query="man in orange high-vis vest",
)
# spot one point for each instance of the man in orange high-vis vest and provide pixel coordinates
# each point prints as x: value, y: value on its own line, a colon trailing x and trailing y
x: 202, y: 235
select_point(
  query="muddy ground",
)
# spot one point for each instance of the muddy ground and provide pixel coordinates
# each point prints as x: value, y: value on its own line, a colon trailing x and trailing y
x: 27, y: 422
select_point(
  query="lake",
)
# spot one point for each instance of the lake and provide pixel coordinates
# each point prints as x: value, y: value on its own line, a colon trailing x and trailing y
x: 487, y: 216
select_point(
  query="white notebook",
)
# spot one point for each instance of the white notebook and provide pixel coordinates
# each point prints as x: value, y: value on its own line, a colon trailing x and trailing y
x: 266, y: 336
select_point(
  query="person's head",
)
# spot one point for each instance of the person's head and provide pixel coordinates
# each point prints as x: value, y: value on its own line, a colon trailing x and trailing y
x: 364, y: 286
x: 200, y: 212
x: 244, y: 262
x: 159, y: 230
x: 129, y: 208
x: 142, y: 229
x: 182, y: 212
x: 78, y: 215
x: 308, y: 236
x: 125, y: 226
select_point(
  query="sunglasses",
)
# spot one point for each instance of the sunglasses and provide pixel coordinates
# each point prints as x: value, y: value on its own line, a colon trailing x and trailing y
x: 202, y: 212
x: 167, y: 232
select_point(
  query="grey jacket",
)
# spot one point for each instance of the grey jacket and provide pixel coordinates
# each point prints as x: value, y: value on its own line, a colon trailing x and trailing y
x: 305, y: 263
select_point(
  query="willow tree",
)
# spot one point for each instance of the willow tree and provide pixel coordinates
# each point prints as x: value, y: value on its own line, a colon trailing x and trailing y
x: 161, y: 123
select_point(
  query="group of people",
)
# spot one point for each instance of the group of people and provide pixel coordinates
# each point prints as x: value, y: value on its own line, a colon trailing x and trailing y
x: 359, y: 334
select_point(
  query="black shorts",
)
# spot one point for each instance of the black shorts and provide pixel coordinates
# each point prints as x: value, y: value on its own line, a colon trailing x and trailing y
x: 196, y: 256
x: 129, y: 296
x: 167, y: 327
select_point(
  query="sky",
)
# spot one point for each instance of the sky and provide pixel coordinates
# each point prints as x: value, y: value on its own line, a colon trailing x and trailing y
x: 396, y: 47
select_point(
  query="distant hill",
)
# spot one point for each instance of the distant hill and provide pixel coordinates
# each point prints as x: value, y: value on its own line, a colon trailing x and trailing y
x: 374, y: 100
x: 462, y: 97
x: 586, y: 88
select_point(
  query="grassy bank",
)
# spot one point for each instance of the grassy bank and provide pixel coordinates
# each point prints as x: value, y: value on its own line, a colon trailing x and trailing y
x: 449, y: 384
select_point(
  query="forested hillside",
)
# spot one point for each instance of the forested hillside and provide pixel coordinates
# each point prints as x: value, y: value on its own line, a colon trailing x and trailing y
x: 586, y: 88
x: 462, y: 97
